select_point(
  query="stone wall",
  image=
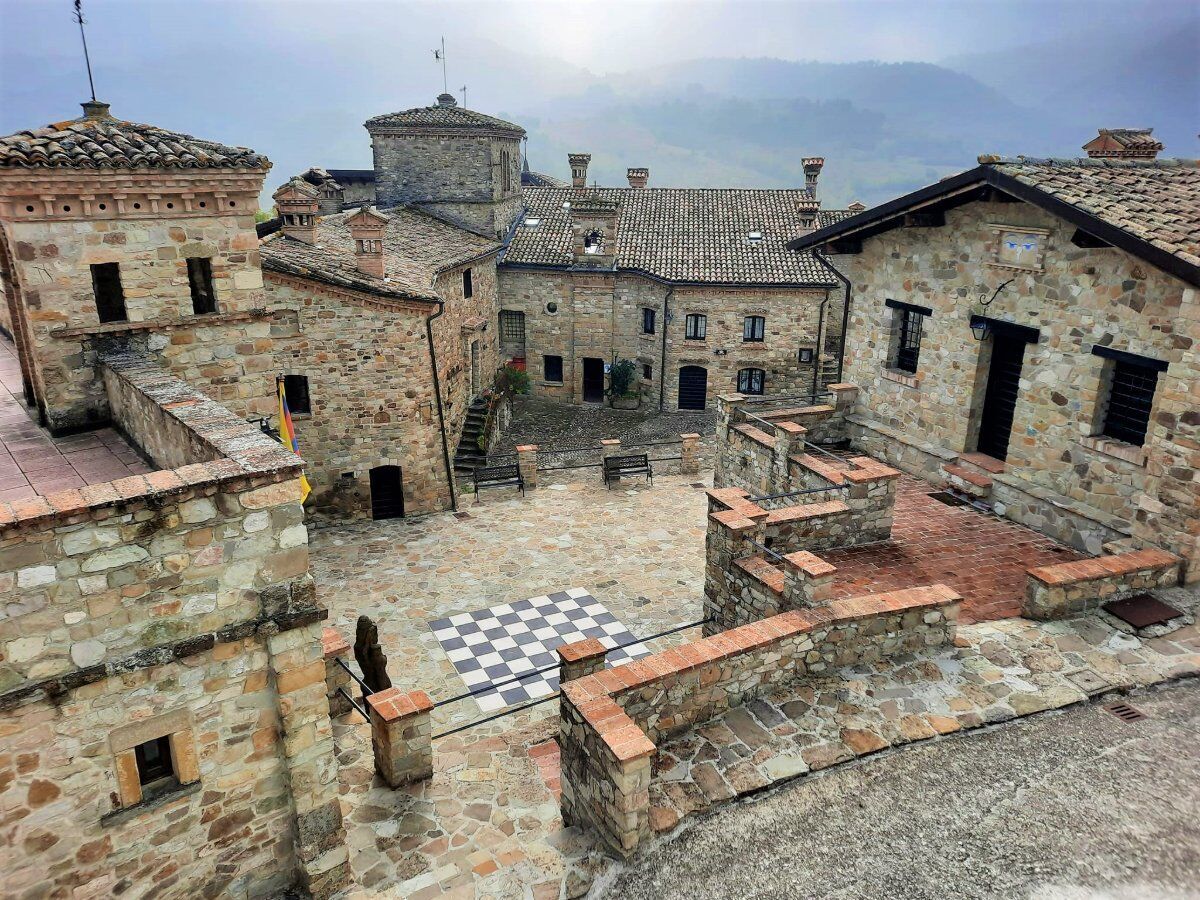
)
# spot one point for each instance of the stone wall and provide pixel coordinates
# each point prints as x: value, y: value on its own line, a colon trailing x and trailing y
x: 609, y: 722
x: 176, y: 604
x: 1092, y: 489
x: 599, y: 315
x: 1069, y: 589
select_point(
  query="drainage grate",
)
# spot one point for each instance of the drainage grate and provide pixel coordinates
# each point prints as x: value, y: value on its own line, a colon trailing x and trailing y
x: 1142, y: 610
x: 1125, y: 712
x: 948, y: 498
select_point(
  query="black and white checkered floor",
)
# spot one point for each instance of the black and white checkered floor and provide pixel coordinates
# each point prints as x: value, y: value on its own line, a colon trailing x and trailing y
x: 494, y: 645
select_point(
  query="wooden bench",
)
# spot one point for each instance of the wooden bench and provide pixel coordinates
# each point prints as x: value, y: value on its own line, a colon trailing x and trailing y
x: 617, y: 466
x: 497, y: 476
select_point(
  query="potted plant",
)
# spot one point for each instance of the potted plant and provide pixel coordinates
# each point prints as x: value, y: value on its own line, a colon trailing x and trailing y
x: 623, y: 385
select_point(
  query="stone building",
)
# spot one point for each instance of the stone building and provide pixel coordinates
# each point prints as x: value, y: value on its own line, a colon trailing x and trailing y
x: 1027, y: 331
x: 696, y: 286
x: 164, y: 727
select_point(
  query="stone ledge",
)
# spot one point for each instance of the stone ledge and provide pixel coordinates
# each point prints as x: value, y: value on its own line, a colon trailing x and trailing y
x: 762, y: 571
x: 162, y: 324
x: 1104, y: 567
x: 755, y: 434
x: 898, y: 377
x: 806, y: 511
x: 1130, y: 453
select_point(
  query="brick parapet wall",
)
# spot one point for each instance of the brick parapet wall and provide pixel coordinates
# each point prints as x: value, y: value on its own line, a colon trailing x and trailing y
x: 611, y: 721
x: 1068, y: 589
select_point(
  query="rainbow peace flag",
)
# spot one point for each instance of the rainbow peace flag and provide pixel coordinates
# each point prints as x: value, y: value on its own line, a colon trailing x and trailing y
x: 287, y: 435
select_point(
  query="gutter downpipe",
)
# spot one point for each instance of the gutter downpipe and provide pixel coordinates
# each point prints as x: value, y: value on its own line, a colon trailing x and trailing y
x: 662, y: 365
x: 819, y: 255
x: 816, y: 374
x: 437, y: 393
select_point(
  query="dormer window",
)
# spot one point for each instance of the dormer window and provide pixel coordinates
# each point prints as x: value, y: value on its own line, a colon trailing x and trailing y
x: 532, y: 223
x: 754, y: 237
x: 593, y: 242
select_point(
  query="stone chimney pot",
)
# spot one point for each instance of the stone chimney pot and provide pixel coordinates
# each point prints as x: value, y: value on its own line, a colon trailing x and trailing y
x: 95, y: 109
x: 446, y: 100
x: 367, y: 230
x: 579, y: 166
x: 637, y: 177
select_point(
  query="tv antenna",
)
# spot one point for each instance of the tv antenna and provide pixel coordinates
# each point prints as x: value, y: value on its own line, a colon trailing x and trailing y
x: 83, y: 37
x: 441, y: 55
x: 464, y: 93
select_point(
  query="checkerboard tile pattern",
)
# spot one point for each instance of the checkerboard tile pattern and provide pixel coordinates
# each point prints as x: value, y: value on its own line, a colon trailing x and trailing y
x: 494, y: 645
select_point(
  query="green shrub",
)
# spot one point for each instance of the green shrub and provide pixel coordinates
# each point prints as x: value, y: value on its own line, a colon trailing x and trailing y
x: 514, y: 380
x: 622, y: 378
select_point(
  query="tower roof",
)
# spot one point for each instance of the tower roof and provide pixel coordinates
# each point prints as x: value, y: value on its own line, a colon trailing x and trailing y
x: 443, y: 115
x: 97, y: 140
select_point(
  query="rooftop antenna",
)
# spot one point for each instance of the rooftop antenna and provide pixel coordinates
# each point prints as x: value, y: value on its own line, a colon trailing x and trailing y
x: 441, y: 55
x: 464, y: 92
x: 83, y: 36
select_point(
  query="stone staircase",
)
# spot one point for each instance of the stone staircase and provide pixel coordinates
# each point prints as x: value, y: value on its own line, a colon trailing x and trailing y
x: 827, y: 372
x: 971, y: 473
x: 468, y: 457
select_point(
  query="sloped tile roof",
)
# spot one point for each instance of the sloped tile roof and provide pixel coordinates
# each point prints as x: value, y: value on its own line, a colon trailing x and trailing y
x: 694, y: 235
x: 416, y: 247
x: 99, y: 141
x: 441, y: 116
x: 829, y: 216
x: 1156, y: 200
x: 1126, y: 139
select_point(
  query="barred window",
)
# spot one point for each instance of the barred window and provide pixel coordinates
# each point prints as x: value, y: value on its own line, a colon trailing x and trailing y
x: 512, y: 327
x: 909, y: 322
x: 647, y: 321
x: 754, y: 328
x: 696, y: 327
x: 1131, y: 385
x: 751, y: 381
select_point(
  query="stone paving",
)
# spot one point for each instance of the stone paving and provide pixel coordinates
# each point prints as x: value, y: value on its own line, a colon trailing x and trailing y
x: 33, y: 463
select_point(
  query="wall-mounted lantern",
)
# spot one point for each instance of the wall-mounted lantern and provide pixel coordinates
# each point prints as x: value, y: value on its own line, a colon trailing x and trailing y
x: 980, y: 329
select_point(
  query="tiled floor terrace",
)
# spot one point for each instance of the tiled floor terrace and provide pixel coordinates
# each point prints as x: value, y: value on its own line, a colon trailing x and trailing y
x: 32, y: 463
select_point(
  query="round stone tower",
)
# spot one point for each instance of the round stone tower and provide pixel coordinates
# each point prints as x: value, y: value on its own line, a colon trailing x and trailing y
x: 457, y: 163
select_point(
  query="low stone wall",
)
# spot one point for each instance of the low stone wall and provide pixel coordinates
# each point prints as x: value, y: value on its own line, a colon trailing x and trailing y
x: 610, y: 721
x: 1068, y: 589
x: 542, y: 466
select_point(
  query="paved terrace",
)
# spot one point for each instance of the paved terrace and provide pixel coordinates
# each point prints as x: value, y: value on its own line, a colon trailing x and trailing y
x: 32, y: 463
x: 488, y: 825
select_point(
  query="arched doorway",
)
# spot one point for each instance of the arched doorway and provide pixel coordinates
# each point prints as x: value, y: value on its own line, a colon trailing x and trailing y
x: 693, y: 387
x: 387, y: 493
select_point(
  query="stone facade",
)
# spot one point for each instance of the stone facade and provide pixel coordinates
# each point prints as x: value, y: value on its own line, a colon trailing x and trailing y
x: 1059, y: 476
x: 578, y: 315
x: 179, y: 606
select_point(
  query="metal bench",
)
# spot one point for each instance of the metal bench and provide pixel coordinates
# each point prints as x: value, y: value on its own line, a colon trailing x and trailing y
x: 497, y: 476
x: 617, y: 466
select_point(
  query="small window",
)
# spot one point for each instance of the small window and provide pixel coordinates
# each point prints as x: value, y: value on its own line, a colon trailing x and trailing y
x: 204, y: 299
x: 512, y: 327
x: 1131, y: 389
x: 532, y: 222
x: 468, y: 287
x: 754, y: 237
x: 907, y: 323
x: 647, y: 321
x: 295, y: 388
x: 553, y: 368
x: 154, y: 761
x: 593, y: 242
x: 696, y: 327
x: 754, y: 328
x: 647, y: 372
x: 110, y: 296
x: 751, y: 381
x: 806, y: 354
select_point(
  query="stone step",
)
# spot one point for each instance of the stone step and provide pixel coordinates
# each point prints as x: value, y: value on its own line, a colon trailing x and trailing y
x: 981, y: 461
x: 969, y: 482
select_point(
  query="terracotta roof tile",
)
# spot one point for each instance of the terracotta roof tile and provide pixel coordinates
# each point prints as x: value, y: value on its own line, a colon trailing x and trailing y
x: 441, y: 116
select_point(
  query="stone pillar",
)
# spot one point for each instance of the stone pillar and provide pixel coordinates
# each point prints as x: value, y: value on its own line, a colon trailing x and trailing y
x: 844, y: 396
x: 336, y: 648
x: 726, y: 404
x: 789, y: 442
x: 527, y: 464
x: 690, y: 464
x: 297, y: 658
x: 580, y: 658
x: 808, y: 580
x: 724, y: 543
x: 610, y: 447
x: 401, y: 735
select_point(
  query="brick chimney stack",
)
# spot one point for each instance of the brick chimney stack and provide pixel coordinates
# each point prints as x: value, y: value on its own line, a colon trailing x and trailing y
x: 367, y: 229
x: 637, y: 177
x: 812, y: 169
x: 298, y: 202
x: 579, y: 166
x: 1123, y: 143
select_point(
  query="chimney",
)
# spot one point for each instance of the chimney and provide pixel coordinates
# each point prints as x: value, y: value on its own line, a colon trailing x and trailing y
x: 812, y: 169
x: 857, y: 206
x: 579, y: 166
x: 637, y: 177
x: 1123, y: 143
x: 298, y: 202
x: 807, y: 210
x: 367, y: 229
x: 446, y: 100
x: 95, y: 109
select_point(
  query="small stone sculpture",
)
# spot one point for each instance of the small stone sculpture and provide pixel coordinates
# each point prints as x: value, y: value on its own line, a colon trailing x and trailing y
x: 369, y: 655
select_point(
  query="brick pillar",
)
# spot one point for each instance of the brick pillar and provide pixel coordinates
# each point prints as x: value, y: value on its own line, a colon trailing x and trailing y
x: 808, y: 580
x: 297, y: 658
x: 401, y: 735
x: 690, y: 465
x: 580, y: 658
x: 336, y: 648
x: 527, y: 464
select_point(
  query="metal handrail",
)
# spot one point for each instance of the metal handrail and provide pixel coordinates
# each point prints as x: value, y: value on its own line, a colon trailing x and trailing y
x: 366, y: 687
x: 824, y: 451
x: 361, y: 711
x: 781, y: 397
x: 799, y: 493
x: 766, y: 550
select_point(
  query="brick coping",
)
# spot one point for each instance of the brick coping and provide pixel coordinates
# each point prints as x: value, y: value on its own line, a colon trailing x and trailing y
x: 593, y: 695
x: 1104, y: 567
x: 243, y: 453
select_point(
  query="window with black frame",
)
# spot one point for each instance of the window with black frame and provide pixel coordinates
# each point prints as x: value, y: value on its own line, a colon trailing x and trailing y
x: 512, y: 327
x: 695, y: 327
x: 754, y: 328
x: 1132, y: 381
x: 751, y: 381
x: 647, y: 321
x: 553, y: 368
x: 909, y: 323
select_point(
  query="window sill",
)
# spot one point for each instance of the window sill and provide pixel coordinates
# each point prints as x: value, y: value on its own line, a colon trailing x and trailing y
x: 552, y: 383
x: 1130, y: 453
x: 123, y: 815
x: 900, y: 377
